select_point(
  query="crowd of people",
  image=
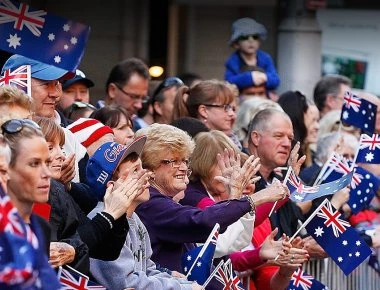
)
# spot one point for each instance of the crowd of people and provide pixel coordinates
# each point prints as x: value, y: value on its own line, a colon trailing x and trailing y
x: 121, y: 189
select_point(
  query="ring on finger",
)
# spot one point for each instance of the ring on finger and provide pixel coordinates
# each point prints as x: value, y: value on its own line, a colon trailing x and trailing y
x: 291, y: 261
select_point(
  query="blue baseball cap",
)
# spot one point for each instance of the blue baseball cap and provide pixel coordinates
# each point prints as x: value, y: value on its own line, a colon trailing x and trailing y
x: 103, y: 164
x: 39, y: 70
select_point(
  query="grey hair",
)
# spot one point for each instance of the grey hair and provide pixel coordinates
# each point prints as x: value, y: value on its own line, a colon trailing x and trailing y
x: 5, y: 150
x: 325, y: 144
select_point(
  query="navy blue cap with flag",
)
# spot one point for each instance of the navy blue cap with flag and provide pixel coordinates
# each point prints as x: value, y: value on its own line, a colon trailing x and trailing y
x: 103, y: 164
x: 42, y: 36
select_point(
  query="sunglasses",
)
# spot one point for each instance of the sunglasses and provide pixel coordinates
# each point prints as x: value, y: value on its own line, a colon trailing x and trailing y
x: 77, y: 106
x: 166, y: 84
x: 16, y: 125
x: 246, y: 37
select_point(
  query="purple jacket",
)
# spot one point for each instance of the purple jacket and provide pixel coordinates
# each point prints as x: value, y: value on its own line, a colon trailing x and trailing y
x: 171, y: 225
x: 244, y: 79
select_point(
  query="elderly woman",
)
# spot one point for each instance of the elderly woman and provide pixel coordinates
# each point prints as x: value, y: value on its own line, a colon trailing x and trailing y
x: 171, y: 225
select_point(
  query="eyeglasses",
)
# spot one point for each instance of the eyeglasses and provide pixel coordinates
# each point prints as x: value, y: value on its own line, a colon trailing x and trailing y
x: 177, y: 164
x: 226, y: 107
x: 79, y: 105
x: 16, y: 125
x: 135, y: 98
x: 166, y: 84
x: 246, y: 37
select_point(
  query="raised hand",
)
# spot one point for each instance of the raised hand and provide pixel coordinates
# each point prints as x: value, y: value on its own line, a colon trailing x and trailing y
x: 293, y: 161
x: 119, y: 195
x: 235, y: 177
x: 68, y: 169
x: 271, y: 248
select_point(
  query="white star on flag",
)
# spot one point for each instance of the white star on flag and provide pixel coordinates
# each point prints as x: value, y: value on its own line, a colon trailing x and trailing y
x: 73, y: 40
x: 369, y: 156
x: 14, y: 41
x: 358, y: 243
x: 51, y: 36
x: 345, y: 243
x: 319, y: 231
x: 345, y: 115
x: 57, y: 59
x: 199, y: 264
x: 189, y: 258
x: 66, y: 27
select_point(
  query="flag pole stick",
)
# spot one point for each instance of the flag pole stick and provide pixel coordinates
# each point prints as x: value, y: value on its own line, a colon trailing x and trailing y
x: 212, y: 275
x: 284, y: 182
x: 305, y: 223
x: 205, y: 245
x: 356, y: 154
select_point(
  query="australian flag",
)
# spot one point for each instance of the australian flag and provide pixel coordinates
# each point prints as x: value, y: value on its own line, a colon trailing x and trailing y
x: 363, y: 183
x: 364, y: 191
x: 303, y: 281
x: 300, y: 192
x: 41, y: 36
x: 369, y: 149
x: 335, y: 235
x: 196, y: 263
x: 20, y: 78
x: 359, y: 112
x: 71, y: 279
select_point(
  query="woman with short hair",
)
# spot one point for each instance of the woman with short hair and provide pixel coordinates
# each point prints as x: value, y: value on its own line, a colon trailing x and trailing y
x: 171, y: 225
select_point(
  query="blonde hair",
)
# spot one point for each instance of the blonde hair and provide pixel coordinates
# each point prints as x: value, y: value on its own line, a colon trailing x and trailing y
x: 248, y: 109
x: 330, y: 122
x: 163, y: 139
x: 51, y: 130
x: 12, y: 96
x: 207, y: 147
x: 188, y: 100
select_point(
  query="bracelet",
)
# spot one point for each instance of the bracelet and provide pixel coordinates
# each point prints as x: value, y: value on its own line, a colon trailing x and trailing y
x: 252, y: 204
x: 107, y: 219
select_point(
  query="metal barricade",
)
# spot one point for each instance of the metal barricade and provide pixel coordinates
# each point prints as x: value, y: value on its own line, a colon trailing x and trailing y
x: 327, y: 272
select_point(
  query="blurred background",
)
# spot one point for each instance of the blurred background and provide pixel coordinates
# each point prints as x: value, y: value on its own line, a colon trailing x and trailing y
x: 306, y: 38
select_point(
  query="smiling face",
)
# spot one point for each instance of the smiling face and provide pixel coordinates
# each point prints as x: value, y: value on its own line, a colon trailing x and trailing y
x: 46, y: 94
x: 29, y: 174
x: 169, y: 178
x: 56, y: 158
x: 311, y: 119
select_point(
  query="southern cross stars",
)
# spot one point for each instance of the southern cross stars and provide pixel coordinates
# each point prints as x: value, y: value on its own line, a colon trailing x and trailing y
x: 14, y: 40
x: 319, y: 231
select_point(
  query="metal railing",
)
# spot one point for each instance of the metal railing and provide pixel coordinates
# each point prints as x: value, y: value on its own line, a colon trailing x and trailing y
x: 327, y: 272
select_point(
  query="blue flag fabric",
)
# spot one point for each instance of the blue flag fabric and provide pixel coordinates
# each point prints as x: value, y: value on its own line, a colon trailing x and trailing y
x: 359, y: 112
x: 41, y: 36
x: 369, y: 149
x: 335, y: 235
x: 300, y: 280
x: 300, y: 192
x: 199, y: 260
x: 23, y: 262
x: 364, y: 191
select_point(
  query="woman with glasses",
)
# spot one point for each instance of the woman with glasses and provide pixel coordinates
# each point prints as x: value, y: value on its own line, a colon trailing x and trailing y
x: 211, y: 101
x: 171, y: 225
x: 29, y: 183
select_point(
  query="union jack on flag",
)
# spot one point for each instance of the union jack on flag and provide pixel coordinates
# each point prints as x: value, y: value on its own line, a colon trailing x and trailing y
x: 42, y: 36
x: 337, y: 238
x: 20, y: 78
x: 352, y: 101
x: 71, y: 279
x: 224, y: 278
x: 336, y: 167
x: 369, y: 149
x: 235, y: 280
x: 303, y: 281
